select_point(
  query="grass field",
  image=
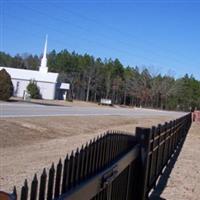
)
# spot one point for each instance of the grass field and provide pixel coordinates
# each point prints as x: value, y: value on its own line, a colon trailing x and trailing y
x: 27, y: 145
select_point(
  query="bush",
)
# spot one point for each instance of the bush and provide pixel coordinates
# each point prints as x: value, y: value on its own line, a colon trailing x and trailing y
x: 6, y: 86
x: 33, y: 90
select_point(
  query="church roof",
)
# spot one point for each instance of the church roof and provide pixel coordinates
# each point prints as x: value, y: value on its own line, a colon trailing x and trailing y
x: 25, y: 74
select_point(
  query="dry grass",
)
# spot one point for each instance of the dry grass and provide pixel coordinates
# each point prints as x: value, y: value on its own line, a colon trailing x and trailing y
x: 29, y: 144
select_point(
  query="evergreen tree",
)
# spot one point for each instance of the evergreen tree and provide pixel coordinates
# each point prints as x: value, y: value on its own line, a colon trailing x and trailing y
x: 33, y: 90
x: 6, y: 86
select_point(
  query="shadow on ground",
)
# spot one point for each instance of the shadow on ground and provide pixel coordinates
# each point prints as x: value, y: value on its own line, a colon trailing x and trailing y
x: 33, y: 102
x: 162, y: 182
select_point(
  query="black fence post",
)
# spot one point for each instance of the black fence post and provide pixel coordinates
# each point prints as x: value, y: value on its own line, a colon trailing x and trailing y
x: 51, y: 182
x: 24, y: 191
x: 14, y: 193
x: 43, y: 180
x: 34, y: 188
x: 143, y: 135
x: 58, y: 179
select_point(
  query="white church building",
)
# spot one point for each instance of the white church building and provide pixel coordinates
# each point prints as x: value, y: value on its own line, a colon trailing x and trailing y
x: 47, y: 82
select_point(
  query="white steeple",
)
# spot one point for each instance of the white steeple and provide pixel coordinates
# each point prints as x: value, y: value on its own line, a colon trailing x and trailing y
x: 43, y: 66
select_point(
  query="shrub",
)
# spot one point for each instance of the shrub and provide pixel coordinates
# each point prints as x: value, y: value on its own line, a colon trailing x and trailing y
x: 33, y: 90
x: 6, y: 86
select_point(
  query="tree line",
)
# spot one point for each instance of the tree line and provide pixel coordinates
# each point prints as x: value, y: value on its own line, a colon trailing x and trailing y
x: 92, y: 78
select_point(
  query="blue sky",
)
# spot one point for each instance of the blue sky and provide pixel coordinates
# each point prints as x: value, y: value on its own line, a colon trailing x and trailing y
x: 161, y: 35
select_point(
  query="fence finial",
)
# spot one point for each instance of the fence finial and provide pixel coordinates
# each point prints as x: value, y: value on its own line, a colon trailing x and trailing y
x: 15, y: 192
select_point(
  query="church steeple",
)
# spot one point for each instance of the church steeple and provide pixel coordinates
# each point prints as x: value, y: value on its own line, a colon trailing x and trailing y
x: 43, y: 66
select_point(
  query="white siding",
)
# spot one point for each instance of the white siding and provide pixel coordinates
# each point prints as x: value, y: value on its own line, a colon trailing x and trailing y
x: 19, y: 87
x: 47, y: 90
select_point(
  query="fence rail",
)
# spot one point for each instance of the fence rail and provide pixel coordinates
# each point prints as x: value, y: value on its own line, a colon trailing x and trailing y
x: 115, y: 166
x: 158, y: 146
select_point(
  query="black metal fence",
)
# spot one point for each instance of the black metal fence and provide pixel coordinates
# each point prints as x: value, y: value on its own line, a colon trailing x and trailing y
x: 158, y: 146
x: 116, y: 166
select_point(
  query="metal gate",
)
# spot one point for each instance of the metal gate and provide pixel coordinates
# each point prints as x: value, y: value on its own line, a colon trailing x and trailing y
x: 117, y: 182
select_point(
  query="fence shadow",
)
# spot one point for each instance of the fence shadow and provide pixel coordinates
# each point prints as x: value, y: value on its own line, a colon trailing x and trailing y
x: 162, y: 182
